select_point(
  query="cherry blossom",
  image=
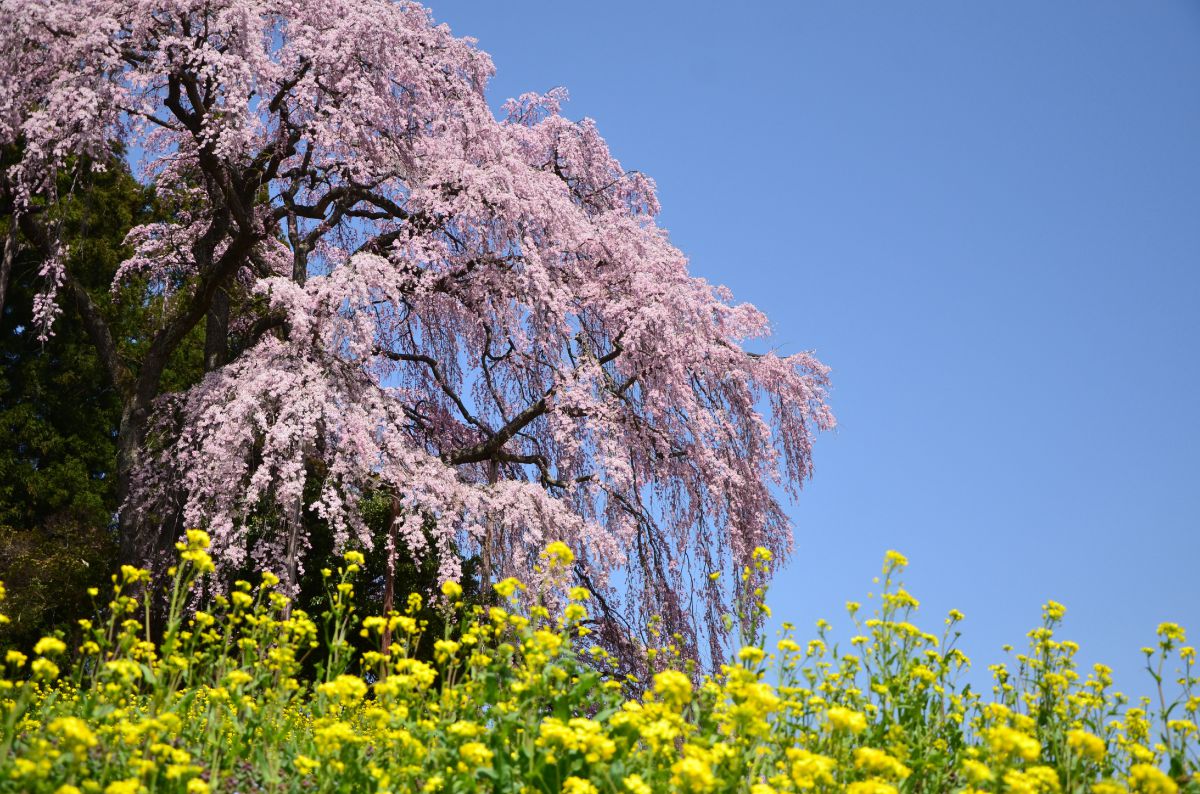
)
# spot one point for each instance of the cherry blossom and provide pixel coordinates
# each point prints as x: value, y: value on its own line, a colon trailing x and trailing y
x: 402, y: 292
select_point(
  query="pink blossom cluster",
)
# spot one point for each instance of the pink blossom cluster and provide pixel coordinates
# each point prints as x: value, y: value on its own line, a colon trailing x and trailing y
x: 476, y: 314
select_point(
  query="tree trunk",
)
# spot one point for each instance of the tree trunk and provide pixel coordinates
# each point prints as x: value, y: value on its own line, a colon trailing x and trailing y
x: 10, y: 250
x: 216, y: 332
x: 389, y: 581
x: 292, y: 563
x: 485, y: 576
x: 139, y: 543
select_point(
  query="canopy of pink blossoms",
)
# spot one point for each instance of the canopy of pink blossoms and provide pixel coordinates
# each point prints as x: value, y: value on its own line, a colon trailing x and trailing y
x: 476, y: 314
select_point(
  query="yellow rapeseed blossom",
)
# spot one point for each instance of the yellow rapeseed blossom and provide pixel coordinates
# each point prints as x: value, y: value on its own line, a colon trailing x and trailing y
x: 228, y: 695
x: 474, y: 755
x: 880, y: 763
x: 809, y: 770
x: 976, y: 771
x: 1053, y: 610
x: 635, y: 785
x: 844, y: 719
x: 871, y: 786
x: 1007, y: 742
x: 44, y: 670
x: 578, y: 785
x: 894, y: 561
x: 559, y: 554
x: 1149, y: 779
x: 74, y: 734
x: 506, y: 587
x: 693, y: 772
x: 673, y: 688
x: 1086, y: 744
x: 49, y: 646
x: 305, y: 765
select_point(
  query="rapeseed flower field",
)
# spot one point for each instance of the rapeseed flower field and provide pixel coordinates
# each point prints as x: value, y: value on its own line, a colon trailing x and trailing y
x: 516, y: 698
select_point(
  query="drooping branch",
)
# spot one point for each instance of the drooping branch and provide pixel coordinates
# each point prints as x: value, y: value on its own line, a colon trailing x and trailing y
x: 96, y: 326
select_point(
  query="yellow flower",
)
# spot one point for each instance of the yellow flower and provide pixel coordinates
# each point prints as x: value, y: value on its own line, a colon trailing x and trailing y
x: 506, y: 587
x: 331, y: 737
x: 1035, y: 780
x: 74, y: 732
x: 452, y: 590
x: 49, y: 646
x: 305, y: 765
x: 870, y: 786
x: 1053, y: 610
x: 1086, y: 744
x: 132, y: 575
x: 809, y: 770
x: 473, y: 755
x: 1184, y: 727
x: 844, y: 719
x: 44, y: 670
x: 1007, y: 742
x: 443, y: 650
x: 129, y: 786
x: 894, y: 561
x: 1149, y: 779
x: 198, y: 539
x: 673, y: 687
x: 976, y: 771
x: 577, y: 785
x: 693, y: 772
x: 344, y: 689
x: 635, y: 785
x: 559, y: 554
x: 879, y: 762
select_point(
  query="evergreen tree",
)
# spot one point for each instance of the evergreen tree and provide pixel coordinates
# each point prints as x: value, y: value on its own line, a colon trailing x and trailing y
x: 59, y: 412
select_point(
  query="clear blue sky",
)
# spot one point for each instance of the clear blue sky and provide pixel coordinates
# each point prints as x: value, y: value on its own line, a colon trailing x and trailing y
x: 986, y: 218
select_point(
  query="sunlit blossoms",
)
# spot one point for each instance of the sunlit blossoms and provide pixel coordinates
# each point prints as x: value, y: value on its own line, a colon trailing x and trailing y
x: 402, y: 293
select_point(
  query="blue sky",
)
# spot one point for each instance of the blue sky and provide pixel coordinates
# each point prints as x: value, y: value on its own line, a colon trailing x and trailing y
x: 985, y: 217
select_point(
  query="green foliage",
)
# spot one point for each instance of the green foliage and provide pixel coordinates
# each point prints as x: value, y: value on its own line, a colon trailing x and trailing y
x: 60, y: 411
x: 59, y: 415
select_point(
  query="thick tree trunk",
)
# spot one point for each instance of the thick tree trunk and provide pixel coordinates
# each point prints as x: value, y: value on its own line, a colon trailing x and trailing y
x: 485, y: 575
x: 139, y: 545
x: 216, y: 332
x: 10, y: 251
